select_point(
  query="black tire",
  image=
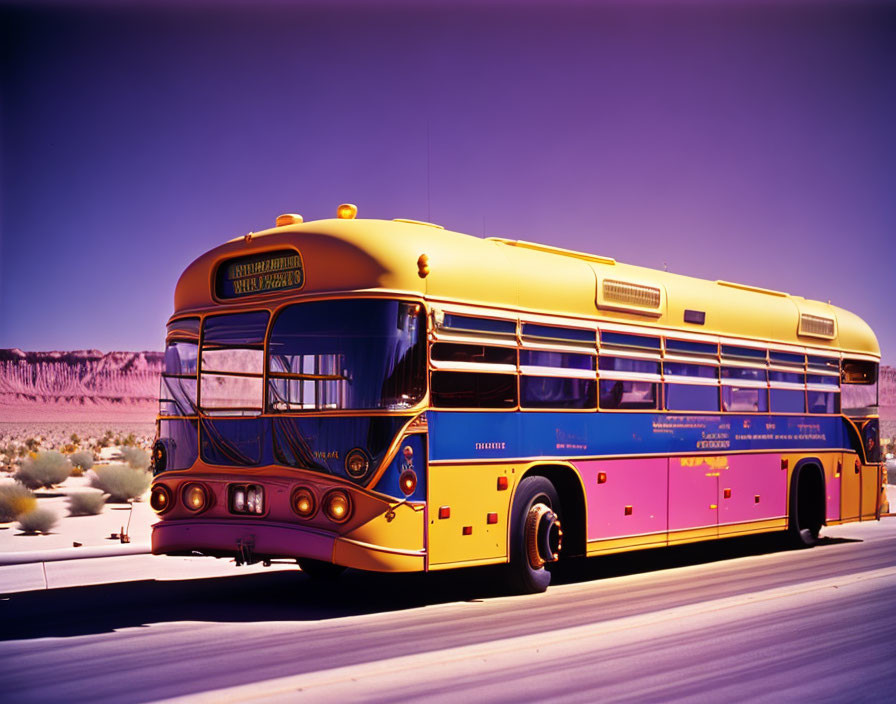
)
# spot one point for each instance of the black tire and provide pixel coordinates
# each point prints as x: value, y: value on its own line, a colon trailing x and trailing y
x: 320, y: 571
x: 806, y: 513
x: 522, y: 576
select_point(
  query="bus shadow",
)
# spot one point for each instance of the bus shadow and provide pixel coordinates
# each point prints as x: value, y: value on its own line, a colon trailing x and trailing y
x: 289, y: 595
x: 663, y: 558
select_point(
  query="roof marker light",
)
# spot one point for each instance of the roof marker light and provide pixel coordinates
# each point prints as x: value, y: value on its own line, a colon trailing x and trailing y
x: 289, y: 219
x: 347, y: 211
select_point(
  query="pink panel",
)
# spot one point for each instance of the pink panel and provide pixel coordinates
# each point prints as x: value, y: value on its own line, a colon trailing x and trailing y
x: 749, y: 476
x: 832, y: 484
x: 641, y: 484
x: 693, y: 491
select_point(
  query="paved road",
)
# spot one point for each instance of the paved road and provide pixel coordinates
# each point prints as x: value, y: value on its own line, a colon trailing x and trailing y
x: 739, y: 620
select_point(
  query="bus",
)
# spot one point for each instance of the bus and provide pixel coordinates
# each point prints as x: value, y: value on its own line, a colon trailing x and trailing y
x: 392, y: 396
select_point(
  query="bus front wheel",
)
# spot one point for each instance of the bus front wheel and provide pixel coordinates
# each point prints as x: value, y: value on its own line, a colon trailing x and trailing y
x: 535, y: 535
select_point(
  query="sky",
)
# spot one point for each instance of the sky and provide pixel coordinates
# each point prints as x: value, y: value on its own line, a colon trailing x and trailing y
x: 750, y: 142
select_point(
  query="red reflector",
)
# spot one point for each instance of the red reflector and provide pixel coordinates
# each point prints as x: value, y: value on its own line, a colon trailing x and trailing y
x: 628, y: 510
x: 601, y: 477
x: 468, y: 530
x: 785, y: 464
x: 756, y: 499
x: 492, y: 518
x: 502, y: 483
x: 727, y: 493
x: 444, y: 512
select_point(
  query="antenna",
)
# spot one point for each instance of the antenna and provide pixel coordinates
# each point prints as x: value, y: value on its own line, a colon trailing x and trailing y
x: 428, y: 171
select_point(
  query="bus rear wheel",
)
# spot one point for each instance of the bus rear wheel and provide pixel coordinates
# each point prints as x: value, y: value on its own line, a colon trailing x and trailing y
x: 320, y: 571
x: 536, y: 535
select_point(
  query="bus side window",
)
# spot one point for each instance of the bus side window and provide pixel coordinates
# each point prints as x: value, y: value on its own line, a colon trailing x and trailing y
x: 622, y: 394
x: 473, y: 390
x: 557, y: 392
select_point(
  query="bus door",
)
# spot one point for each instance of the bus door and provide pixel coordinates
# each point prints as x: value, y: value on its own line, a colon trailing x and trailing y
x: 850, y: 486
x: 694, y: 497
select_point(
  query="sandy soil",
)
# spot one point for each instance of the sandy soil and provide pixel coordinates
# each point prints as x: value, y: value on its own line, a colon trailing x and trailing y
x: 90, y: 531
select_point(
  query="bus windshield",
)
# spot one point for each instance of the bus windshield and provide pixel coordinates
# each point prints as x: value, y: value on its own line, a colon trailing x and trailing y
x: 347, y: 354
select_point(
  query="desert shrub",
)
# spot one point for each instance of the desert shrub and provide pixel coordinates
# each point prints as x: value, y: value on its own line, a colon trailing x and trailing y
x: 82, y: 460
x: 15, y: 499
x: 120, y: 481
x: 134, y: 456
x: 44, y: 469
x: 86, y: 503
x: 39, y: 520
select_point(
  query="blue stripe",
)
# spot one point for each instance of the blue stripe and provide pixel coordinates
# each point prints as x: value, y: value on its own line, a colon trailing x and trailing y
x: 484, y: 435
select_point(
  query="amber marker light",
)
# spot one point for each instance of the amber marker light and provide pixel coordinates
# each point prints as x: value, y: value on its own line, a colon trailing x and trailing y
x: 195, y: 497
x: 289, y: 219
x: 160, y: 498
x: 407, y: 481
x: 303, y: 502
x: 338, y: 506
x: 423, y: 267
x: 347, y: 211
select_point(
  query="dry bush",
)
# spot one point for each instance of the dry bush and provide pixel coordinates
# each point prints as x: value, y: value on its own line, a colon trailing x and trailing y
x: 81, y: 461
x: 86, y: 503
x: 15, y: 499
x: 135, y: 457
x: 39, y: 520
x: 120, y: 481
x: 45, y: 469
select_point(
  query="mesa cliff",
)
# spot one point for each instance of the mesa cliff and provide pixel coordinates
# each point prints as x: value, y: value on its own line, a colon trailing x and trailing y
x: 79, y: 383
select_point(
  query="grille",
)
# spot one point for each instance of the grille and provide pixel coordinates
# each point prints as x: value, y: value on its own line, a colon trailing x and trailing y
x: 816, y: 326
x: 629, y: 294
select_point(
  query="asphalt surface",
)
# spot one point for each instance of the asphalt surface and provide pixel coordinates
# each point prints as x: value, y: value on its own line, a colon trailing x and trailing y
x: 735, y: 620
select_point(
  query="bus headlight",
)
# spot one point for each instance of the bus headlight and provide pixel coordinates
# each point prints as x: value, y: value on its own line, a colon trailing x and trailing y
x: 357, y: 464
x: 338, y: 506
x: 160, y: 498
x: 195, y: 497
x: 303, y: 502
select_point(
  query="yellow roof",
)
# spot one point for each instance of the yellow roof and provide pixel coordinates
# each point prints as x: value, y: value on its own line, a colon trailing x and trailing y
x: 362, y: 255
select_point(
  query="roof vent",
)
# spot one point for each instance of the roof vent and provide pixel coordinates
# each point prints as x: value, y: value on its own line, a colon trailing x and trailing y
x: 817, y: 326
x: 632, y: 297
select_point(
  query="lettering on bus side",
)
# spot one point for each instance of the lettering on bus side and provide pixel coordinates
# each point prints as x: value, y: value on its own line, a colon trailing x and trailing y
x: 490, y: 445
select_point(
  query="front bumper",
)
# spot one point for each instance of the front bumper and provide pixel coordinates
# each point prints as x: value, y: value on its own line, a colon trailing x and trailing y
x: 229, y: 538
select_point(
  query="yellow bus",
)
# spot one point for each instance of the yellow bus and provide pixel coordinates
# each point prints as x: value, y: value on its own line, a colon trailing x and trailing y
x: 393, y: 396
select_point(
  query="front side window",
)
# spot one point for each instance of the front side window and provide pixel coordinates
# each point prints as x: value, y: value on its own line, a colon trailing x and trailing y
x: 177, y: 392
x: 354, y: 354
x: 859, y: 387
x: 232, y: 364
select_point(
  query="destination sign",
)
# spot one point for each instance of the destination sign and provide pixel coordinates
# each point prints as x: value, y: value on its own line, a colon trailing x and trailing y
x: 260, y: 273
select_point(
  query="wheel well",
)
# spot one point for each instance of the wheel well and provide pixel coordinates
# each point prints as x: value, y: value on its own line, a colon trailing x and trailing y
x: 572, y: 504
x: 807, y: 493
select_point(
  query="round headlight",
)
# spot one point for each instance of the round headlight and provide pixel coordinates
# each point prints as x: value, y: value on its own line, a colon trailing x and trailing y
x: 303, y: 502
x: 195, y: 497
x: 160, y: 498
x: 338, y: 506
x: 357, y: 464
x: 407, y: 480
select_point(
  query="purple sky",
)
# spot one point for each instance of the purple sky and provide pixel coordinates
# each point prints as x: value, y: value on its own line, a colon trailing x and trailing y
x: 748, y: 142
